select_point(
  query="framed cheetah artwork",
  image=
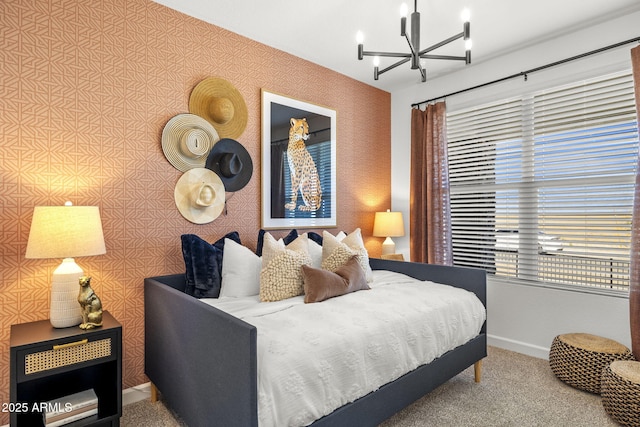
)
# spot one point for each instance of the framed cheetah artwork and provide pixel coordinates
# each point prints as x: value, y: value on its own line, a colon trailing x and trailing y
x: 298, y: 163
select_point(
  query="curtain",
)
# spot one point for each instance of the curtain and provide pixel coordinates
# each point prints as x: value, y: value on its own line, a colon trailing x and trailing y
x: 634, y: 286
x: 430, y: 210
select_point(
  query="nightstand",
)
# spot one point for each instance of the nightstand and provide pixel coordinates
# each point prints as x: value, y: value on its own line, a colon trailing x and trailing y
x: 397, y: 257
x: 49, y: 363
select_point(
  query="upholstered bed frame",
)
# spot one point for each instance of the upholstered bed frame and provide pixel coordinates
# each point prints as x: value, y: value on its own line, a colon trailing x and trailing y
x: 203, y: 360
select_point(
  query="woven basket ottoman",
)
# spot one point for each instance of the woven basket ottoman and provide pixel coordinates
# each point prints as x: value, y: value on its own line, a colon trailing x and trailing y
x: 578, y: 359
x: 620, y: 391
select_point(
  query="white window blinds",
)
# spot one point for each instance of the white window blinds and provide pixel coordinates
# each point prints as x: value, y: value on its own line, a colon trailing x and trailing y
x: 542, y: 185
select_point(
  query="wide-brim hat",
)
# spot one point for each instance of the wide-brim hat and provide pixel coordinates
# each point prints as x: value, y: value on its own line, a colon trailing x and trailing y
x: 187, y: 140
x: 232, y: 162
x: 199, y: 195
x: 221, y: 104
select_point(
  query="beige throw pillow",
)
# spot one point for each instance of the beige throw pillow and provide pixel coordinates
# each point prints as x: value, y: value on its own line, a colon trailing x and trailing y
x: 281, y: 274
x: 336, y: 252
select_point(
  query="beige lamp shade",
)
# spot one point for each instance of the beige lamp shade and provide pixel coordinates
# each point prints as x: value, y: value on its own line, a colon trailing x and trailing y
x: 388, y: 224
x: 65, y: 232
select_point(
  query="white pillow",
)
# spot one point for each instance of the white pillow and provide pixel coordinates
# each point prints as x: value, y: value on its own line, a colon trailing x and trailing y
x: 315, y: 252
x: 240, y: 271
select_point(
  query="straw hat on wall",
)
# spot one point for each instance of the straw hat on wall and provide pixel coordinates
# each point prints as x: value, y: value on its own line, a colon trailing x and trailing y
x: 187, y: 140
x: 221, y: 104
x: 199, y: 195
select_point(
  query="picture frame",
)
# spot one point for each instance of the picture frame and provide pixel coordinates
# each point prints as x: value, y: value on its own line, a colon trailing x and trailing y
x: 312, y: 157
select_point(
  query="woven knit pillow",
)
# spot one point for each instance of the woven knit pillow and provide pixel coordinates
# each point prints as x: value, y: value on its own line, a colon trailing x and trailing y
x: 281, y: 275
x: 336, y: 252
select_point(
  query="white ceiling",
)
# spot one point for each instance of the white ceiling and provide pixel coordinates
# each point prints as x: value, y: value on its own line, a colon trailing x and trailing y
x: 323, y: 31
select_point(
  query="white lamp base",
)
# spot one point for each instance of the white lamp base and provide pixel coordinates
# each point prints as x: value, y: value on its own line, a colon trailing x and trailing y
x: 388, y: 246
x: 65, y: 310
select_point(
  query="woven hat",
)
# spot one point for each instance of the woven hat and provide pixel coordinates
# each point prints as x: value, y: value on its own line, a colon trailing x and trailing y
x: 232, y: 162
x: 221, y: 104
x: 199, y: 195
x: 187, y: 140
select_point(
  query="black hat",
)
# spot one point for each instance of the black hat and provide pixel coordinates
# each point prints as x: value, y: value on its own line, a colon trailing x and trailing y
x: 232, y: 162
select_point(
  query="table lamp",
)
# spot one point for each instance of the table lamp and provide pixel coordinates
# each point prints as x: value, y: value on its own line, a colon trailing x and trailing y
x: 65, y: 232
x: 388, y: 224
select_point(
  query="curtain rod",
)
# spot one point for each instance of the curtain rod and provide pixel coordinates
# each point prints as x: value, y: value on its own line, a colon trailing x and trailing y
x: 533, y: 70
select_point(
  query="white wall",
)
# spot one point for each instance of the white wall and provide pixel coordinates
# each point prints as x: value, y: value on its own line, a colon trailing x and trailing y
x: 523, y: 318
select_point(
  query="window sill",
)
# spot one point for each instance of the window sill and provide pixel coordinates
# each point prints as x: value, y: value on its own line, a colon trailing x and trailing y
x: 615, y: 293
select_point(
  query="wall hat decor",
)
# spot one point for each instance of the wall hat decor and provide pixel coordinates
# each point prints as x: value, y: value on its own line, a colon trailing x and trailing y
x: 200, y: 195
x: 232, y: 162
x: 187, y: 140
x: 221, y: 104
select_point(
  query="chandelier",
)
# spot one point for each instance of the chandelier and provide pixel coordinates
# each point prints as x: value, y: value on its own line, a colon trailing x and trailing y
x: 415, y: 54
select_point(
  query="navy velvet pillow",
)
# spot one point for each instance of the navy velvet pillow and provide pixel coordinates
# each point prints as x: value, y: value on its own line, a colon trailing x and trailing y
x: 315, y: 237
x: 293, y: 235
x: 203, y: 262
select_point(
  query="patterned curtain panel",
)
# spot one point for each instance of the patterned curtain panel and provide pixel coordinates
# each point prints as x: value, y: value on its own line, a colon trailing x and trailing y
x: 634, y: 288
x: 430, y: 215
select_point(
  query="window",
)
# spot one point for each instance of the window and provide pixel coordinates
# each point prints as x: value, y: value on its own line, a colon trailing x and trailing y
x: 542, y: 185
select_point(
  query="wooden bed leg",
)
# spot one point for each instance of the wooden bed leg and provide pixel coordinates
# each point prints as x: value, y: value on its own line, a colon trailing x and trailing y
x: 477, y: 370
x: 154, y: 393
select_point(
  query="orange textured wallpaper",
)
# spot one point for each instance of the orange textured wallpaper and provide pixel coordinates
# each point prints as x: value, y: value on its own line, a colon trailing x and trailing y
x: 86, y: 88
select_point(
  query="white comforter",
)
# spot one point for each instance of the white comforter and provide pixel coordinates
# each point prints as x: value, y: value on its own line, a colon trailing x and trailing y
x: 314, y: 358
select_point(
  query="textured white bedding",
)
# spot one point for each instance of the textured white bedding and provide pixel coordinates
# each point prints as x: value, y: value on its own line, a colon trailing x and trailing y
x: 314, y: 358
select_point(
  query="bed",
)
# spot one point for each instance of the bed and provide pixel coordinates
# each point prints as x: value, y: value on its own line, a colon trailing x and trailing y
x: 208, y: 374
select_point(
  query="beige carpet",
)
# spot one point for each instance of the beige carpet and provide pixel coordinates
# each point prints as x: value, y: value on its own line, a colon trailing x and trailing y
x: 516, y: 390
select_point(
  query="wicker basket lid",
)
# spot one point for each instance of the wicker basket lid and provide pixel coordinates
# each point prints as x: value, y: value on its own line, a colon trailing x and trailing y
x: 627, y: 369
x: 594, y: 343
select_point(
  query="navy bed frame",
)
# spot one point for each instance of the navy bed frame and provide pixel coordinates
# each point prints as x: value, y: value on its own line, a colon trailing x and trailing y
x: 203, y: 360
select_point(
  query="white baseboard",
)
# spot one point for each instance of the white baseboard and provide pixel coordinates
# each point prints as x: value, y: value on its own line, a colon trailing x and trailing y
x: 518, y: 347
x: 136, y: 394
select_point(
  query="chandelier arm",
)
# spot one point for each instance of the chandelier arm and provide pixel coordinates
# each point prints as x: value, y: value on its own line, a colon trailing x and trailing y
x: 387, y: 54
x: 397, y: 64
x: 423, y: 73
x: 442, y: 43
x: 449, y: 57
x: 411, y: 48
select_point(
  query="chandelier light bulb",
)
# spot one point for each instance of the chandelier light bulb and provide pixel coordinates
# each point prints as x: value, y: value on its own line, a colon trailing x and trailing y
x: 465, y: 15
x: 404, y: 10
x: 467, y: 44
x: 376, y: 61
x: 359, y: 37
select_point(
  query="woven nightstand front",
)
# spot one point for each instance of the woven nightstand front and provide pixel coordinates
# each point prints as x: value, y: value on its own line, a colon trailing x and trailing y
x: 67, y: 355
